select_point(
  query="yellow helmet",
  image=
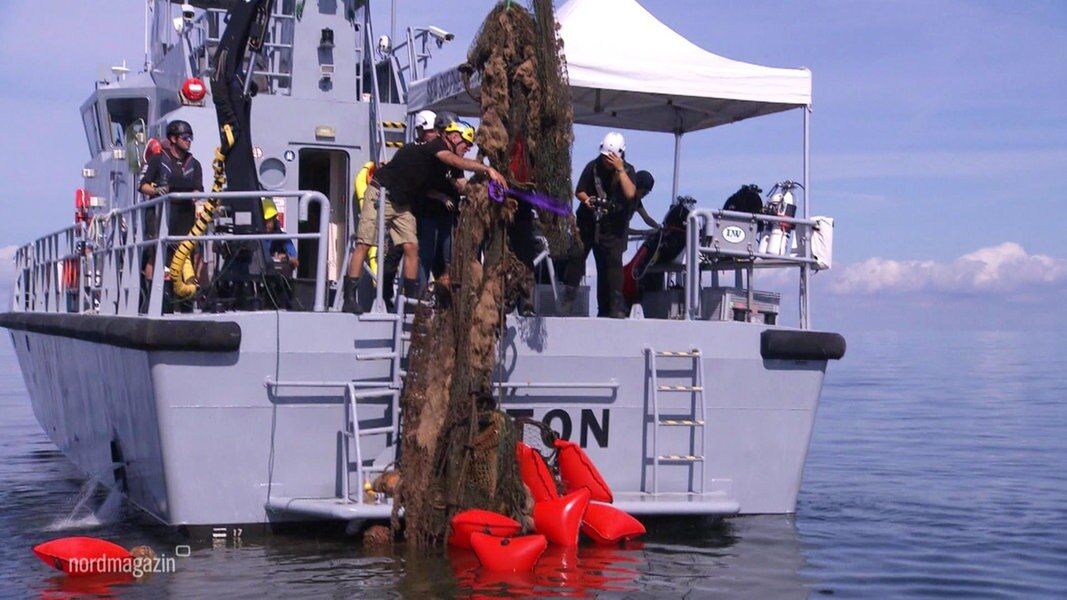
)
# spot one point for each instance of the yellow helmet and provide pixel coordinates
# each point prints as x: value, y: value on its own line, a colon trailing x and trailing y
x: 464, y: 128
x: 269, y: 209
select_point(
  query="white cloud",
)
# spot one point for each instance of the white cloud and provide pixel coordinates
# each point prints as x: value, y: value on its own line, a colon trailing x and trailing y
x: 999, y: 270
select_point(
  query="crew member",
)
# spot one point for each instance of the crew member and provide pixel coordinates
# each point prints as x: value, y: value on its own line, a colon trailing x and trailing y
x: 282, y: 251
x: 606, y: 191
x: 644, y: 182
x: 435, y: 215
x: 175, y: 169
x: 425, y: 130
x: 408, y: 177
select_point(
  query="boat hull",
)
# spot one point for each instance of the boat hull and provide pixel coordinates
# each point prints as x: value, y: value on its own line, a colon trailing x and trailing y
x: 205, y: 437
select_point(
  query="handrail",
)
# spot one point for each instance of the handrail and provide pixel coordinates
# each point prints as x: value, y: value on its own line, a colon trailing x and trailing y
x: 116, y: 261
x: 696, y: 225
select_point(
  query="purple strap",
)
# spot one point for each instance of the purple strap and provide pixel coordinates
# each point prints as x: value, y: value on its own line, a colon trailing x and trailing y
x: 497, y: 194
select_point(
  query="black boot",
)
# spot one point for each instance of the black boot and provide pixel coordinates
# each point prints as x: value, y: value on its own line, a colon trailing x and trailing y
x: 618, y: 306
x: 351, y: 296
x: 411, y: 292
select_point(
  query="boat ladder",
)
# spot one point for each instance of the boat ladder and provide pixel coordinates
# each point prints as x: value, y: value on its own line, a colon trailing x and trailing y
x: 355, y: 391
x: 691, y: 418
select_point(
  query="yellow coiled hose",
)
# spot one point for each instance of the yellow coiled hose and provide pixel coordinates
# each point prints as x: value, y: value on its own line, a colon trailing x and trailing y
x: 182, y: 273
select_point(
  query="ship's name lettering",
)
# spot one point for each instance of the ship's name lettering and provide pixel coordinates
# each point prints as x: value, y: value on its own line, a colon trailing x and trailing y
x: 589, y: 426
x: 448, y: 83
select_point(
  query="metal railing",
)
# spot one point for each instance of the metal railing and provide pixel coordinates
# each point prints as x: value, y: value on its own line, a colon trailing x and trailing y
x: 107, y: 265
x: 704, y: 253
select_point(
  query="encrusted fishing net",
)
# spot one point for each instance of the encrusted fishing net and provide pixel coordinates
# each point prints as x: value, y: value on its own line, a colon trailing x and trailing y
x: 457, y: 448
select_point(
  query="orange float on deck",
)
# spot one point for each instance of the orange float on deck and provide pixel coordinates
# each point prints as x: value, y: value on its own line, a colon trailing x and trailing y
x: 606, y: 524
x: 508, y: 553
x: 560, y: 519
x: 577, y: 471
x: 535, y: 473
x: 83, y: 555
x: 484, y: 521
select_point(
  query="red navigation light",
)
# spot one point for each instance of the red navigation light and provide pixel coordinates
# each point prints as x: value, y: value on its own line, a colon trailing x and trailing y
x: 193, y: 90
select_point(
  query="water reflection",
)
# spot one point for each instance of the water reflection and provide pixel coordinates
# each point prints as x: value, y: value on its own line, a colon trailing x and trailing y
x: 561, y: 572
x: 106, y: 585
x: 751, y: 556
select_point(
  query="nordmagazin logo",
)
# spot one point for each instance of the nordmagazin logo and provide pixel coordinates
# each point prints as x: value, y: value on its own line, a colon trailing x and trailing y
x: 138, y: 566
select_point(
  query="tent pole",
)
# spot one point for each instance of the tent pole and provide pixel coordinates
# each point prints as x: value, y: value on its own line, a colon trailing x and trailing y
x: 677, y: 164
x: 805, y: 269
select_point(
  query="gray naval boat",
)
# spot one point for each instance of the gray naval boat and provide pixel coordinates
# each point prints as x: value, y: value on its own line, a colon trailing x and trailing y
x: 262, y: 402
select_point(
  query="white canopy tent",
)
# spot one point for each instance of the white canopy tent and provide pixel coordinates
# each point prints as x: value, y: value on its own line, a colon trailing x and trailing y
x: 627, y: 70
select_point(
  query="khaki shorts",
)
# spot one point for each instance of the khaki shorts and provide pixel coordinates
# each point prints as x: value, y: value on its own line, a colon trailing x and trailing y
x: 399, y: 221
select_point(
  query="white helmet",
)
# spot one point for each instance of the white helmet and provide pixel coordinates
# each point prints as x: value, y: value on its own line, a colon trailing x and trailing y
x: 424, y: 119
x: 613, y: 143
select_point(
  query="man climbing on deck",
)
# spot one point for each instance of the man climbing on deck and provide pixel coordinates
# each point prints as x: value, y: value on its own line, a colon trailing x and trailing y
x: 414, y: 171
x: 425, y: 130
x: 435, y: 215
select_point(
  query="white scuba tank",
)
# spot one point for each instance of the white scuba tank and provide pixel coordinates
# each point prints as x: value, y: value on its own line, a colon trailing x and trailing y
x: 782, y: 204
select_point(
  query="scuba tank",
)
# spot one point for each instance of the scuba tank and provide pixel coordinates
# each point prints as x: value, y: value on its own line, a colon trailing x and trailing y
x: 781, y: 203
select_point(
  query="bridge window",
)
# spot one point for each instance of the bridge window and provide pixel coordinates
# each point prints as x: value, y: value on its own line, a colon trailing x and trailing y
x: 92, y: 129
x: 123, y: 112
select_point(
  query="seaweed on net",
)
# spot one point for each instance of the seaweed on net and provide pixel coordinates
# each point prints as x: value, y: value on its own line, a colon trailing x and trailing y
x: 457, y: 447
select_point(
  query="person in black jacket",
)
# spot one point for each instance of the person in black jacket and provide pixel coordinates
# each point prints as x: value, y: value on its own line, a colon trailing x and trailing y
x: 175, y: 169
x: 607, y: 192
x: 414, y: 172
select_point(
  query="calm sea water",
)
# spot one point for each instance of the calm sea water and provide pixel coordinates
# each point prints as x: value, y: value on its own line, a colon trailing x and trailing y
x: 938, y: 468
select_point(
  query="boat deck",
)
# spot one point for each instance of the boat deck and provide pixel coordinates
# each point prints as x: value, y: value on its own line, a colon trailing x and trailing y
x: 634, y: 503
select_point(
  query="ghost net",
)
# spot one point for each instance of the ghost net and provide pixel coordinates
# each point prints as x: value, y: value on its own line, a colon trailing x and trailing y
x: 457, y: 447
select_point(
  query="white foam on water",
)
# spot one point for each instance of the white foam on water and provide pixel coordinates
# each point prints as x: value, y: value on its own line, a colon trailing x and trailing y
x: 83, y: 516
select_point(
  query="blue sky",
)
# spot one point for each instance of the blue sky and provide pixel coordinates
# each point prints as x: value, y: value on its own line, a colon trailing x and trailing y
x: 939, y: 138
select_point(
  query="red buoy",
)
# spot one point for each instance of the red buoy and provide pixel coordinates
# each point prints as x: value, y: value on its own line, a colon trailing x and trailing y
x: 577, y: 471
x: 508, y: 553
x: 83, y: 555
x: 560, y: 519
x: 535, y: 473
x: 484, y: 521
x: 606, y: 524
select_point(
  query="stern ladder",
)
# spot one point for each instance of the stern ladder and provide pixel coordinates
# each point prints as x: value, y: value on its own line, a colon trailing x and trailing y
x: 692, y: 418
